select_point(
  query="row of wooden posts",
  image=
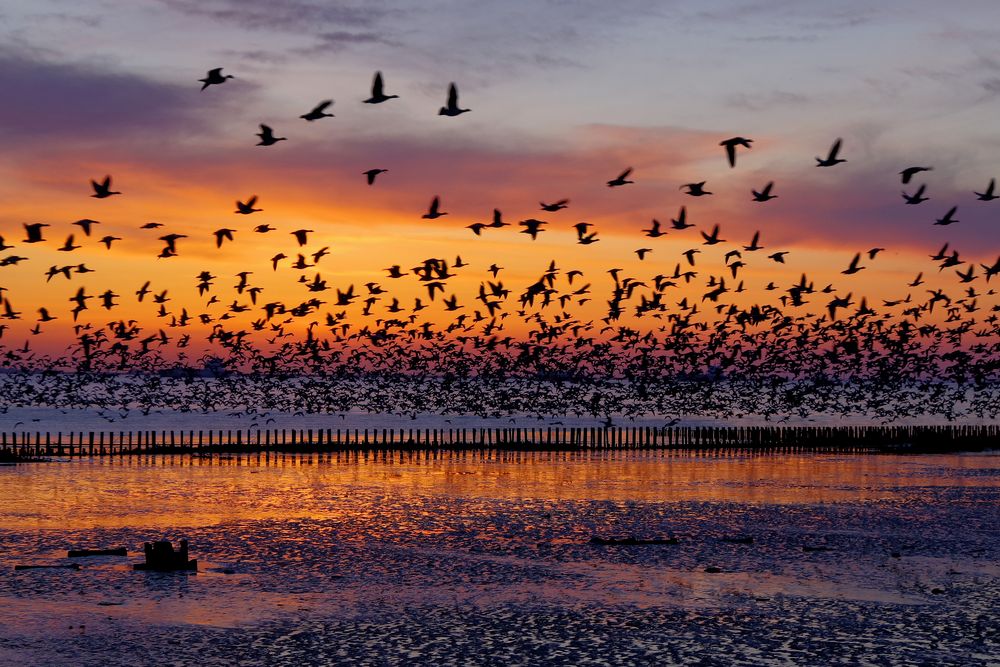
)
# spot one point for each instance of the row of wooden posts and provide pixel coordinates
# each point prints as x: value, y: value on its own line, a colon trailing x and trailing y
x: 834, y: 438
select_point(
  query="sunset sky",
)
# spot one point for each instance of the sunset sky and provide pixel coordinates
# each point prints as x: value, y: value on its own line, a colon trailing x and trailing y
x: 564, y: 96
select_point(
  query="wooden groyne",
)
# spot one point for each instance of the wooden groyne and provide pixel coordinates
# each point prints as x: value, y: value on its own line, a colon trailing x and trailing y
x: 765, y: 438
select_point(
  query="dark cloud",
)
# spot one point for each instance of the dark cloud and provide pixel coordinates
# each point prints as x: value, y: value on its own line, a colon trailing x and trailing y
x: 46, y: 100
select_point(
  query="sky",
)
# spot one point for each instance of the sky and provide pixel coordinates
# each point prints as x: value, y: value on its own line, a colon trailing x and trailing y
x: 563, y: 97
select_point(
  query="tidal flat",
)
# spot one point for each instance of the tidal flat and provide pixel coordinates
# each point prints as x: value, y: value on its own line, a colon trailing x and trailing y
x: 486, y: 558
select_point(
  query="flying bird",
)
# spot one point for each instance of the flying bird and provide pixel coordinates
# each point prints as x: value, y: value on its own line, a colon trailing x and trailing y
x: 695, y: 189
x: 908, y: 173
x: 988, y: 195
x: 378, y: 93
x: 853, y: 268
x: 621, y: 179
x: 372, y: 173
x: 434, y: 210
x: 318, y: 111
x: 300, y: 236
x: 215, y: 77
x: 103, y: 189
x: 555, y: 206
x: 917, y: 197
x: 831, y: 158
x: 33, y: 231
x: 224, y: 233
x: 452, y: 108
x: 948, y: 218
x: 247, y: 208
x: 730, y: 146
x: 267, y: 137
x: 764, y: 194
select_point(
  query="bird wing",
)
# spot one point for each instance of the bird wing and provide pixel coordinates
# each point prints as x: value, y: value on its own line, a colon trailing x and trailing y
x: 730, y: 153
x: 452, y: 97
x: 834, y: 150
x: 377, y: 85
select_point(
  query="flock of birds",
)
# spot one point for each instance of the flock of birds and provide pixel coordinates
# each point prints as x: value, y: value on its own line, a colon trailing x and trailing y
x: 813, y: 350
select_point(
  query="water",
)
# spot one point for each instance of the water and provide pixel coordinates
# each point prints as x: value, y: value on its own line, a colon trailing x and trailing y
x: 470, y: 559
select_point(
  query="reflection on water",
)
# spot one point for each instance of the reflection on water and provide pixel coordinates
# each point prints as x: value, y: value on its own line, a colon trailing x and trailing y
x: 185, y: 491
x: 485, y: 558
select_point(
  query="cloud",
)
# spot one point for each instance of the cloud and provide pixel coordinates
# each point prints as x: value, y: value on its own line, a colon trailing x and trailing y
x: 49, y: 102
x: 283, y: 15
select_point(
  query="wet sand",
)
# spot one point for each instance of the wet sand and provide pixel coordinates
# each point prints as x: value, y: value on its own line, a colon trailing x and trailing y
x: 464, y: 559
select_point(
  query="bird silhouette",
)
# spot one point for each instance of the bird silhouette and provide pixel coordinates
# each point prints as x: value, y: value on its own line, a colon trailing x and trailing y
x: 907, y: 174
x: 372, y: 173
x: 267, y: 137
x: 948, y: 218
x: 853, y: 267
x: 452, y: 108
x: 214, y: 77
x: 33, y: 232
x: 555, y: 206
x: 765, y: 193
x: 103, y: 189
x: 730, y: 146
x: 695, y: 189
x: 988, y: 195
x: 318, y: 112
x: 378, y: 94
x: 433, y: 211
x: 86, y: 225
x: 917, y: 197
x: 621, y: 179
x: 223, y: 234
x: 248, y: 207
x: 831, y: 158
x: 301, y: 236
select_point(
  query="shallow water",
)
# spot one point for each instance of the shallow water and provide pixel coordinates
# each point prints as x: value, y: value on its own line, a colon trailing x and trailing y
x: 484, y: 559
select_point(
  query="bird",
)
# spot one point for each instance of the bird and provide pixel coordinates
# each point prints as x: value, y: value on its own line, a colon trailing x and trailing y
x: 532, y: 227
x: 730, y: 146
x: 221, y: 234
x: 263, y: 229
x: 753, y: 243
x: 378, y: 93
x: 713, y: 238
x: 778, y: 257
x: 33, y: 231
x: 853, y: 268
x: 433, y: 211
x: 107, y: 241
x: 267, y: 137
x: 917, y: 197
x: 300, y: 236
x: 68, y: 245
x: 247, y: 208
x: 831, y: 158
x: 948, y: 218
x: 641, y: 252
x: 654, y: 230
x: 988, y: 195
x: 582, y: 237
x: 372, y: 173
x: 103, y: 189
x: 681, y: 223
x: 908, y: 173
x: 215, y: 77
x: 318, y: 111
x: 555, y: 206
x: 764, y: 194
x: 621, y: 179
x: 695, y: 189
x: 171, y: 241
x: 452, y: 108
x: 86, y: 225
x: 874, y: 251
